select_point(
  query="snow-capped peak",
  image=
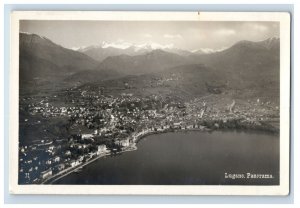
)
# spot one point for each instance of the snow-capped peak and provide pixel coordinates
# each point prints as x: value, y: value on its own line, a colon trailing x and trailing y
x: 208, y: 50
x: 125, y: 45
x: 117, y: 44
x: 152, y: 46
x: 76, y: 48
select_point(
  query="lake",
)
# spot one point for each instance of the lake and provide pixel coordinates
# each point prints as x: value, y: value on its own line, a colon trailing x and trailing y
x: 185, y: 158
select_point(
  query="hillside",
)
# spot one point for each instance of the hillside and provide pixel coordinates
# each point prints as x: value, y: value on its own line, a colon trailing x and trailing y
x: 153, y: 61
x: 42, y: 61
x: 248, y: 65
x: 247, y: 68
x: 87, y: 76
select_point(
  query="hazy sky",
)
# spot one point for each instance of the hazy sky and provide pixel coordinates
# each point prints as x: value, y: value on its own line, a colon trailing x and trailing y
x: 185, y: 35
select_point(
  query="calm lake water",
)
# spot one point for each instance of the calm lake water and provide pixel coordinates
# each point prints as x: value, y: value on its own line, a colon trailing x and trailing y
x: 188, y: 158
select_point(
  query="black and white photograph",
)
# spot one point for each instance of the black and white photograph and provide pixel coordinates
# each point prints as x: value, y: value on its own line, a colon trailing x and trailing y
x: 201, y: 101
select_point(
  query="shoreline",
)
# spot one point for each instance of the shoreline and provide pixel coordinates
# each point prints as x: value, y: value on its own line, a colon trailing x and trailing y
x: 167, y: 131
x: 61, y: 175
x: 133, y: 147
x: 208, y: 129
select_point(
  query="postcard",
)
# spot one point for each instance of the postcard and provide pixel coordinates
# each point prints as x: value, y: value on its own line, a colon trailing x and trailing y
x: 152, y: 103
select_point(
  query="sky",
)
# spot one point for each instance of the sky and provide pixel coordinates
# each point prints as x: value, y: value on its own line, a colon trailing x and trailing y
x: 187, y: 35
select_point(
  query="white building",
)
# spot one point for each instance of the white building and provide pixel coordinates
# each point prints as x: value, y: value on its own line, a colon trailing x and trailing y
x: 48, y: 162
x: 101, y: 149
x: 125, y: 143
x: 51, y: 147
x: 96, y: 132
x: 56, y: 159
x: 74, y: 163
x: 86, y: 136
x: 68, y: 153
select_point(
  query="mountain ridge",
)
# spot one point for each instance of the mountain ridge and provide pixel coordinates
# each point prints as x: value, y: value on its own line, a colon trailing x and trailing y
x: 246, y: 64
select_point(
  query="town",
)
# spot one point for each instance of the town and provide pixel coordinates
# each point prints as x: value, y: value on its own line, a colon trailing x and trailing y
x: 100, y: 125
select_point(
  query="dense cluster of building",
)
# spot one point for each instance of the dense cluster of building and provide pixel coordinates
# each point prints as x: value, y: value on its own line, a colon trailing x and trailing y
x: 44, y: 159
x: 100, y: 123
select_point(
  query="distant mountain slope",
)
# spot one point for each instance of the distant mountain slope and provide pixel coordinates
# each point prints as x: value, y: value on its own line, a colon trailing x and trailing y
x: 153, y: 61
x: 245, y: 66
x: 42, y: 61
x: 87, y: 76
x: 99, y: 53
x: 248, y: 64
x: 44, y: 48
x: 246, y: 58
x: 194, y: 79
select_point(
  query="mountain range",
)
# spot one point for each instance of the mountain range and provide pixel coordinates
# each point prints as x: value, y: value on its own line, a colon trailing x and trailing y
x: 104, y: 50
x: 245, y: 65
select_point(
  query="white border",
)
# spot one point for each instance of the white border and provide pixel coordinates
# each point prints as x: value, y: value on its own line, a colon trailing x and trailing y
x: 282, y: 189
